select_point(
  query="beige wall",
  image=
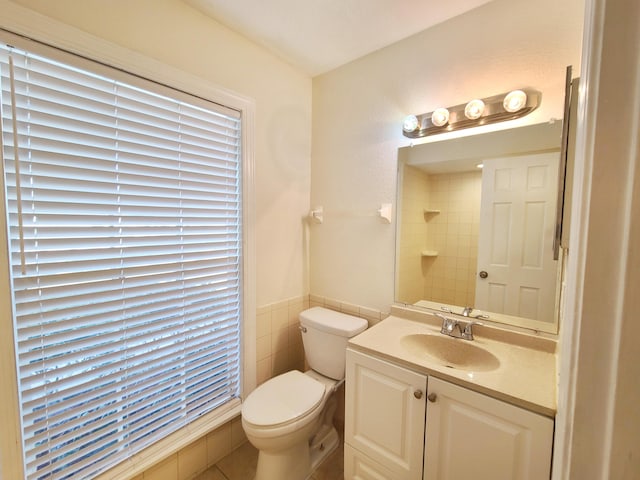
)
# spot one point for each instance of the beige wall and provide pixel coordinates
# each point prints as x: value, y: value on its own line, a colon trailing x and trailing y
x: 174, y: 33
x: 358, y: 111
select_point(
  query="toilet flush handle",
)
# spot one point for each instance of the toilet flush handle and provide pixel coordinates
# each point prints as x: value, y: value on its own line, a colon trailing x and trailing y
x: 302, y: 328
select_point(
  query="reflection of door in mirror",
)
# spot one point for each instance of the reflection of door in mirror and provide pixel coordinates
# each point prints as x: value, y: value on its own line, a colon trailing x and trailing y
x: 516, y: 236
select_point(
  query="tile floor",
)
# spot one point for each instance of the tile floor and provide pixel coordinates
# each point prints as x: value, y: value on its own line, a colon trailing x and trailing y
x: 241, y: 465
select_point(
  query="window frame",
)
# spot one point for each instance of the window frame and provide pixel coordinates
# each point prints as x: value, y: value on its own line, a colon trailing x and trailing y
x: 37, y: 33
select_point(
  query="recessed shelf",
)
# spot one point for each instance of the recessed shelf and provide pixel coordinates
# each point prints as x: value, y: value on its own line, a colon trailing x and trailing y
x: 429, y: 253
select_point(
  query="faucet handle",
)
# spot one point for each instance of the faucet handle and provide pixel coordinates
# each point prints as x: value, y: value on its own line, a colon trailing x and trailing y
x: 467, y: 334
x: 448, y: 324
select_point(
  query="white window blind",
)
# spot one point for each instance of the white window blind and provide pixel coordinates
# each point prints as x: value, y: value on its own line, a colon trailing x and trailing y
x: 124, y: 213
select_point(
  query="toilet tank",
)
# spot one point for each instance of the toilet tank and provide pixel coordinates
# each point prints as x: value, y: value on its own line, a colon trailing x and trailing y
x: 325, y: 334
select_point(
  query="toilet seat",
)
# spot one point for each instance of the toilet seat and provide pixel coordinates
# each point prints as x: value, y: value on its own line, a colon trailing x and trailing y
x: 287, y: 400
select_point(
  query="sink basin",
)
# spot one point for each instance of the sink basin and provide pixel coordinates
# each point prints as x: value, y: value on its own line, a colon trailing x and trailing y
x: 450, y: 352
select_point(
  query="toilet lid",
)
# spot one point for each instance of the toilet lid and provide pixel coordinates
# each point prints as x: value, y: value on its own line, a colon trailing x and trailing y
x: 282, y: 399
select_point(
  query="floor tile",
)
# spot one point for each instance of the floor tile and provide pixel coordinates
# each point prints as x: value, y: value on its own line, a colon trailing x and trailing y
x: 240, y: 464
x: 212, y: 474
x: 333, y: 466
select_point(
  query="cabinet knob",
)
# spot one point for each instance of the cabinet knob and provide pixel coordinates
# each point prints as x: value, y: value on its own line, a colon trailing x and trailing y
x: 432, y: 397
x: 417, y: 394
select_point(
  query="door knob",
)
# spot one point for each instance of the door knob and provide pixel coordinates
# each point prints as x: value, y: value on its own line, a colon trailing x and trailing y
x: 483, y: 274
x: 432, y: 397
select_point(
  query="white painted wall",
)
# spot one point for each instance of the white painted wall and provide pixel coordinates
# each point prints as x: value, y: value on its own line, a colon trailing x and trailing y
x: 598, y: 422
x: 180, y: 36
x: 358, y: 111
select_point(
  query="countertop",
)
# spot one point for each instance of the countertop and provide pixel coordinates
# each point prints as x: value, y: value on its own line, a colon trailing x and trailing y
x: 526, y: 376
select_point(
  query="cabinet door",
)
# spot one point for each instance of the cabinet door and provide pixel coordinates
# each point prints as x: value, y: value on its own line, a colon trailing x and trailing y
x: 357, y: 466
x: 469, y: 435
x: 384, y: 416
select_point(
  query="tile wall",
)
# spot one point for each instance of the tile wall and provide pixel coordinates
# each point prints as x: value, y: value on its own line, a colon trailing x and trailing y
x: 450, y: 276
x: 413, y: 236
x: 441, y: 215
x: 199, y: 455
x: 278, y: 338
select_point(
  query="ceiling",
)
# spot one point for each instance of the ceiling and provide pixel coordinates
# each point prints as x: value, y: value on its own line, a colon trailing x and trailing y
x: 319, y: 35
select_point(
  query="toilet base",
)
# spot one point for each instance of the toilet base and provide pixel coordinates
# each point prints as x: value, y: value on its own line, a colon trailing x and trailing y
x: 323, y: 445
x: 300, y: 461
x: 292, y: 463
x: 297, y: 454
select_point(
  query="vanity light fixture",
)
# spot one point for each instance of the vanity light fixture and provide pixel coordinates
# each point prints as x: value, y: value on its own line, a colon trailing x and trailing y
x: 410, y: 123
x: 480, y: 111
x: 440, y: 117
x: 474, y: 109
x: 514, y: 101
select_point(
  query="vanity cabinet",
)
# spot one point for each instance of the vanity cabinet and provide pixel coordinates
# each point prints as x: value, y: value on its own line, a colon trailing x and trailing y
x: 384, y: 420
x: 397, y: 428
x: 470, y: 435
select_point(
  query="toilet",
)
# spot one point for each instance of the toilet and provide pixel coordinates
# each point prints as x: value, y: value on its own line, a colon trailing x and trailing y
x: 289, y: 418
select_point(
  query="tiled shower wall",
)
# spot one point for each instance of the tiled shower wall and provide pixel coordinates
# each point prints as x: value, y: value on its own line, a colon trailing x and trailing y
x: 453, y: 233
x: 278, y: 349
x: 440, y: 214
x: 413, y: 237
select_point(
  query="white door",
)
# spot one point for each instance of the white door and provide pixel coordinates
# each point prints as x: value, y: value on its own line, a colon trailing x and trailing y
x: 517, y: 221
x: 469, y: 435
x: 384, y: 419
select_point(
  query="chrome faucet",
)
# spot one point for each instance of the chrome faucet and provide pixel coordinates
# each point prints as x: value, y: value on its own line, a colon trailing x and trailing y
x: 451, y: 325
x: 466, y: 312
x: 467, y: 334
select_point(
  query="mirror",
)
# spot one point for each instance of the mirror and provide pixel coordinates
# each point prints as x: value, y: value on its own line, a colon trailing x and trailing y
x: 482, y: 237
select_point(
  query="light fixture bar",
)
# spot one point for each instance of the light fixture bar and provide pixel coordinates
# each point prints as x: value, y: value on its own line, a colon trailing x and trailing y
x: 494, y: 111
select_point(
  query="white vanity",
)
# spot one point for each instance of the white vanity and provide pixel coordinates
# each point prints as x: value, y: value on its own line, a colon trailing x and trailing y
x: 422, y: 405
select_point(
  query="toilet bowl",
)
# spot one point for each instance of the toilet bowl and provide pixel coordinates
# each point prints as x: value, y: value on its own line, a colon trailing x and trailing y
x: 289, y: 418
x: 279, y: 418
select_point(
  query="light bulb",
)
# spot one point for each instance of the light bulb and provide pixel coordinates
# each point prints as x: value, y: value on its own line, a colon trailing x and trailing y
x: 410, y: 123
x: 474, y: 109
x: 440, y: 117
x: 514, y: 101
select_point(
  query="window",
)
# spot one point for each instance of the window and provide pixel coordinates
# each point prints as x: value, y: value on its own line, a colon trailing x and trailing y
x: 124, y: 210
